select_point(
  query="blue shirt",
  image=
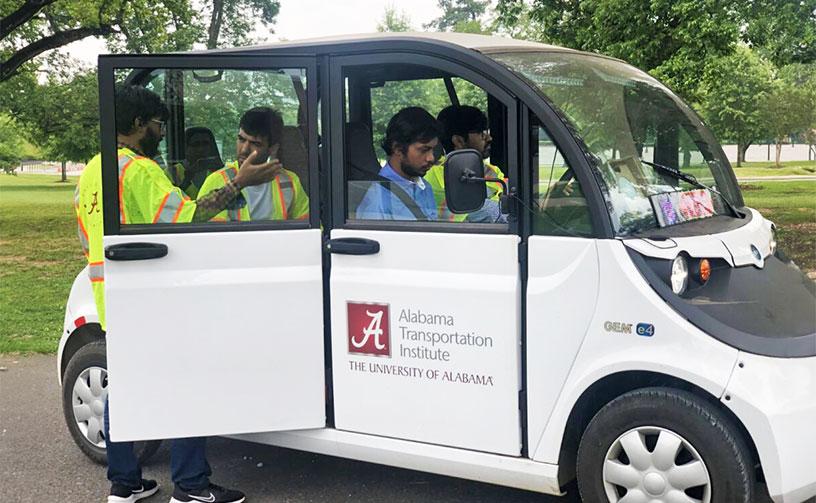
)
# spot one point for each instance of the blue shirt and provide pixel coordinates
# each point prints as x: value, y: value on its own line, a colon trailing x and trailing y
x: 379, y: 203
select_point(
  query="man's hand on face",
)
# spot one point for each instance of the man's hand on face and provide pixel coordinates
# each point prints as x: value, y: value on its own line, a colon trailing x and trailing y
x: 256, y: 174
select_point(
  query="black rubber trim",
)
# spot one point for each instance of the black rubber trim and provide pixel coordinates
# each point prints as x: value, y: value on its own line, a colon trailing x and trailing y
x: 783, y: 347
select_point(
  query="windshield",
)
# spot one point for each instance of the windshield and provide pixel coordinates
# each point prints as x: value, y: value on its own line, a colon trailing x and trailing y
x: 627, y: 119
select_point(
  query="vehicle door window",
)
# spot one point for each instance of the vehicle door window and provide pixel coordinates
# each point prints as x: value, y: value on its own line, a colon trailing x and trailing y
x: 561, y: 207
x: 387, y: 179
x: 214, y: 119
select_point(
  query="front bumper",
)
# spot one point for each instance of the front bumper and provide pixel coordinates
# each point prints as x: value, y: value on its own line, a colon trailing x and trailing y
x: 775, y: 398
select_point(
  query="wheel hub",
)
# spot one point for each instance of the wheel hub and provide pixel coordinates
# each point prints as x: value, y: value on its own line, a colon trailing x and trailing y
x: 654, y: 483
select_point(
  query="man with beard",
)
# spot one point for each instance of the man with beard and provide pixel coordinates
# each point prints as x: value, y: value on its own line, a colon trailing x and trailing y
x: 147, y: 196
x: 410, y: 139
x: 466, y: 128
x: 259, y: 132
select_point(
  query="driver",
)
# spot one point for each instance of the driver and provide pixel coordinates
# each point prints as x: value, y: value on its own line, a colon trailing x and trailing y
x: 410, y: 139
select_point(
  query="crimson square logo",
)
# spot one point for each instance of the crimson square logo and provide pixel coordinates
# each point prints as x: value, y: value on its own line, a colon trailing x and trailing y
x: 368, y: 329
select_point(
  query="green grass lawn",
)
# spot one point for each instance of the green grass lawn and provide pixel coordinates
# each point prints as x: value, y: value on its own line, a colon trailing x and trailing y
x: 39, y: 258
x: 40, y: 253
x: 766, y: 168
x: 792, y: 207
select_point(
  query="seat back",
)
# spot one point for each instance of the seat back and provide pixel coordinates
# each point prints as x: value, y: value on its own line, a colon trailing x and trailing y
x: 362, y: 166
x: 293, y: 155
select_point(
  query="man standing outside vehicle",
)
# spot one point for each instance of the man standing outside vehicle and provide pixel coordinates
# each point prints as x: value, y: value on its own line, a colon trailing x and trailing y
x: 466, y: 128
x: 147, y: 196
x: 410, y: 139
x: 283, y: 198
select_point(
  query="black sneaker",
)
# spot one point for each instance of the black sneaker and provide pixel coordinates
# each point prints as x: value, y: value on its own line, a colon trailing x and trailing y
x: 211, y: 494
x: 121, y: 493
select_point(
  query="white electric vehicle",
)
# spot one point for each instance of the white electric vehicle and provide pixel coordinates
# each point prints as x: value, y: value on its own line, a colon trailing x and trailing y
x: 629, y: 323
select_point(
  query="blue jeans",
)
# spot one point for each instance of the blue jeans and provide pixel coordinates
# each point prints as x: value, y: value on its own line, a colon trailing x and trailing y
x: 188, y: 461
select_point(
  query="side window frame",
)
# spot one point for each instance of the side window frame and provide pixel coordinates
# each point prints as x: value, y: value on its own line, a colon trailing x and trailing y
x: 338, y: 182
x: 140, y: 66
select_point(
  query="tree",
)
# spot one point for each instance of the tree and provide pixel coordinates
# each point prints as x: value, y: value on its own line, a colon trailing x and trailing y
x: 11, y: 144
x: 782, y: 31
x: 394, y: 21
x: 785, y: 110
x: 65, y: 120
x: 733, y: 88
x: 235, y: 19
x: 459, y: 15
x: 673, y: 40
x: 38, y: 26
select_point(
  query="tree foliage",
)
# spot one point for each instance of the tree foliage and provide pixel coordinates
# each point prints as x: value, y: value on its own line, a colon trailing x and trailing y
x: 231, y: 21
x: 11, y: 144
x: 459, y: 15
x: 394, y: 20
x: 733, y: 89
x: 787, y: 109
x: 782, y: 31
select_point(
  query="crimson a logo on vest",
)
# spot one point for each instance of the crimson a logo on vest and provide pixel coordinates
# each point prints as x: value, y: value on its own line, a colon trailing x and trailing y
x: 369, y: 331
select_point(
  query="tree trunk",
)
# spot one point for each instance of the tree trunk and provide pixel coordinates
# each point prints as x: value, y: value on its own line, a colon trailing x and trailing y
x: 741, y: 151
x: 778, y: 154
x: 64, y: 178
x: 215, y: 24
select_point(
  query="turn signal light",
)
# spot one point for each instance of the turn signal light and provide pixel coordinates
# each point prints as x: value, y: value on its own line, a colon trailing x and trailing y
x: 705, y: 270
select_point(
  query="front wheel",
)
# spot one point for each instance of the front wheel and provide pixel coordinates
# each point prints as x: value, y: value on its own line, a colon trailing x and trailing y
x: 84, y: 391
x: 663, y: 445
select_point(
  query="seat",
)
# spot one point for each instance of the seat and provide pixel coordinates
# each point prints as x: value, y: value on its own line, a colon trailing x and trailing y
x: 362, y: 166
x: 293, y: 155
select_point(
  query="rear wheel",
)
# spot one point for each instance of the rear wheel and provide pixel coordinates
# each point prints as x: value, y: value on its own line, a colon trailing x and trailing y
x: 663, y: 445
x: 84, y: 391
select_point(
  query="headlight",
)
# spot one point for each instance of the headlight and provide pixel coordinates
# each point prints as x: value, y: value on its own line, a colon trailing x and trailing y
x: 679, y: 274
x: 774, y: 241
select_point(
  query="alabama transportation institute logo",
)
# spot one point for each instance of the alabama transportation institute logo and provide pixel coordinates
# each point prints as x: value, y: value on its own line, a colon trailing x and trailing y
x: 368, y: 329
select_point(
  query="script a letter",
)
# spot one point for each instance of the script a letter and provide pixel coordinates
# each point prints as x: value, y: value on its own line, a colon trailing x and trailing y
x: 373, y: 329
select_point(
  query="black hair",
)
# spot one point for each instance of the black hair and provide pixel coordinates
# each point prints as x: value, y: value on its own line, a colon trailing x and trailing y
x: 136, y: 102
x: 410, y: 125
x: 460, y: 120
x: 263, y: 121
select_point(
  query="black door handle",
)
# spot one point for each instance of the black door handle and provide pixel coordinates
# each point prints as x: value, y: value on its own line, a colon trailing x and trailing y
x: 353, y: 246
x: 135, y: 251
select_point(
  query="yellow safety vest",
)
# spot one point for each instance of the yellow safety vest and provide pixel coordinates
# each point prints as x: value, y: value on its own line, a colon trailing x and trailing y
x: 145, y: 196
x: 289, y: 200
x: 436, y: 177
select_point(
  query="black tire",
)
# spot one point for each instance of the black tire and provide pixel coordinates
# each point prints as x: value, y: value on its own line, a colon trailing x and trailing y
x: 87, y: 357
x: 706, y: 429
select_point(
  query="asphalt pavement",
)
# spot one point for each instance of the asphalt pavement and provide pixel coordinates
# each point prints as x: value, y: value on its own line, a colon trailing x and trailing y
x: 39, y: 463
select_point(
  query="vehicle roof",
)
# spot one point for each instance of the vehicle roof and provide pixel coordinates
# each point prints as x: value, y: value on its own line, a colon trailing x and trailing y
x: 481, y: 43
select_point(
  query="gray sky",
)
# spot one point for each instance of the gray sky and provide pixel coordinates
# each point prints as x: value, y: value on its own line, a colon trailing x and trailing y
x: 310, y: 18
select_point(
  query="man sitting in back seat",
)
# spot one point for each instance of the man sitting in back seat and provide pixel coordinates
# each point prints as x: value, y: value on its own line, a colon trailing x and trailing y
x: 410, y: 138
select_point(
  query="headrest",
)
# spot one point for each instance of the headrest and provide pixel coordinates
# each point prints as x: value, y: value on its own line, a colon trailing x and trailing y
x: 361, y: 161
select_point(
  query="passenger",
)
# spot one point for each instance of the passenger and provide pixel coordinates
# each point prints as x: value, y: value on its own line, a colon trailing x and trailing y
x: 410, y: 139
x: 283, y: 198
x: 466, y: 128
x: 147, y: 196
x: 202, y: 158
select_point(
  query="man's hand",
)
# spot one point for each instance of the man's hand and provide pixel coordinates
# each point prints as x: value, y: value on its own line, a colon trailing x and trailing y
x: 256, y: 174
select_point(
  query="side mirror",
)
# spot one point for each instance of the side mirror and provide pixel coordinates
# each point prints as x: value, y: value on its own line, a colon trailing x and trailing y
x: 465, y: 187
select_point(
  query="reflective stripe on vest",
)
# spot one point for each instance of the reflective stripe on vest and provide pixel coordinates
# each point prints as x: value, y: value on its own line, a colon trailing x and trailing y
x: 96, y: 270
x: 286, y: 192
x: 124, y: 162
x: 234, y: 214
x: 169, y: 208
x: 83, y: 234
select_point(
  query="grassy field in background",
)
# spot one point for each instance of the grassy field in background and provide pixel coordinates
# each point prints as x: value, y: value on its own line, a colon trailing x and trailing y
x: 792, y: 207
x: 39, y: 258
x: 767, y: 169
x: 40, y: 254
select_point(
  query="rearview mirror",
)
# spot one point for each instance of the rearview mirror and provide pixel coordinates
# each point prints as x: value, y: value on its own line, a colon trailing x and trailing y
x: 465, y: 188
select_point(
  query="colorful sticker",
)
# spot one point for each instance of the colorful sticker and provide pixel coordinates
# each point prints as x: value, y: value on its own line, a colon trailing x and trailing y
x: 674, y: 208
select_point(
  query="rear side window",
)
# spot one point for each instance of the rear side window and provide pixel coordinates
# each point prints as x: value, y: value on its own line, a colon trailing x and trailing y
x: 213, y: 119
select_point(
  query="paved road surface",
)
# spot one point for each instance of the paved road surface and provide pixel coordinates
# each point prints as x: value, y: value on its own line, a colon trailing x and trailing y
x: 39, y: 462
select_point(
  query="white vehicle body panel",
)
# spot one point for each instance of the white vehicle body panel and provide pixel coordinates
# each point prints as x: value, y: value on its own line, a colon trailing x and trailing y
x: 733, y: 246
x: 470, y: 285
x: 80, y: 309
x: 676, y: 349
x: 197, y: 331
x: 781, y: 419
x: 508, y: 471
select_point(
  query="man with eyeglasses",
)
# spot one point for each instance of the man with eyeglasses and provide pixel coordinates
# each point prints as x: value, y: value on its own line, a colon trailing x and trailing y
x: 146, y: 196
x: 466, y: 128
